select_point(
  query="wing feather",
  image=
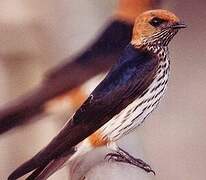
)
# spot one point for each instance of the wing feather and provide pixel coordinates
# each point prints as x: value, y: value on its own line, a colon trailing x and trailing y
x: 127, y: 80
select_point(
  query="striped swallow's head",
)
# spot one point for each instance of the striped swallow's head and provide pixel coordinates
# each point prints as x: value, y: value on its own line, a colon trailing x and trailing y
x: 155, y: 27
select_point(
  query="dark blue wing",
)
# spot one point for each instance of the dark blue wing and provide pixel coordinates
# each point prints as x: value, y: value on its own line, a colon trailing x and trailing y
x: 127, y: 80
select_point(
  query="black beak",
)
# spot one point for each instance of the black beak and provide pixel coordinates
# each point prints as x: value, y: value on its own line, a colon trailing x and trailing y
x: 178, y: 25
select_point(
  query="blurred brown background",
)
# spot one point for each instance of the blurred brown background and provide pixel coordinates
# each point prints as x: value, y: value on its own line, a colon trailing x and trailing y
x: 36, y: 35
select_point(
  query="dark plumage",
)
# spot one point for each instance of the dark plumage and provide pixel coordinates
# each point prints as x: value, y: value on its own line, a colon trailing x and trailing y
x: 120, y: 103
x: 130, y: 76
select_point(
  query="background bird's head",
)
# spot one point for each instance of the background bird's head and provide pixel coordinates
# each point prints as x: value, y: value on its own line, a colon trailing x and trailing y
x: 155, y: 27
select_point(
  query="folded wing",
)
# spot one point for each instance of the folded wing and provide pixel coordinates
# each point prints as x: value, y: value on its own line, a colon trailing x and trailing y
x: 126, y: 81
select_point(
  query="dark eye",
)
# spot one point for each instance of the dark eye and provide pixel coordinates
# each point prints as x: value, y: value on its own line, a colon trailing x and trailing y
x: 156, y: 21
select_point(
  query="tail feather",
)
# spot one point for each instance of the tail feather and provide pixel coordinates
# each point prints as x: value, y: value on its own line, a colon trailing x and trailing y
x: 25, y: 168
x: 46, y: 171
x: 43, y: 169
x: 37, y: 166
x: 36, y: 173
x: 51, y: 168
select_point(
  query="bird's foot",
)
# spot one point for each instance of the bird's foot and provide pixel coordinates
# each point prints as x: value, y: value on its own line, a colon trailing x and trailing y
x: 125, y: 157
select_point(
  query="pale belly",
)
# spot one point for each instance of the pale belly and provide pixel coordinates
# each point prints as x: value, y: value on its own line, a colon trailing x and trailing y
x: 135, y: 113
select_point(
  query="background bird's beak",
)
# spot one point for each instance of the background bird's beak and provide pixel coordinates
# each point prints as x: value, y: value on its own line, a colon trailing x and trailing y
x: 178, y: 25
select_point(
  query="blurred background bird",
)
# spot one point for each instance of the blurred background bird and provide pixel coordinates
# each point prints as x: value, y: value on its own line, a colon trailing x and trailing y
x: 46, y: 29
x: 60, y: 89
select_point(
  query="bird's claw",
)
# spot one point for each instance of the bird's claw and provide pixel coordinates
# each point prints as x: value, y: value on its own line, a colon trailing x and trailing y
x: 111, y: 156
x: 126, y: 158
x: 140, y: 163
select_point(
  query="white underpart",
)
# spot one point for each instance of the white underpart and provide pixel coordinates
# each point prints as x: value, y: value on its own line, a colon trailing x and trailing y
x: 136, y: 112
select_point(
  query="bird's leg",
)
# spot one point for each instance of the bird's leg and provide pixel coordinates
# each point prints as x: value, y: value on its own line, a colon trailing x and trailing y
x: 122, y: 156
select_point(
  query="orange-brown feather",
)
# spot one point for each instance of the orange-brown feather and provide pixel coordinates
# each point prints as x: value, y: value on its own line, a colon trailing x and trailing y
x: 96, y: 139
x: 129, y: 9
x: 77, y: 96
x: 143, y: 29
x: 74, y: 98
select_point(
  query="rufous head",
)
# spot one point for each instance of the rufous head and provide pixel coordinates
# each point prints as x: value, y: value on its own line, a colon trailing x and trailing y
x: 155, y: 26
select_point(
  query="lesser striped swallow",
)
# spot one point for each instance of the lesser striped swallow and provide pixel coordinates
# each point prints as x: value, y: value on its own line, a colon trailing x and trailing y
x: 120, y: 103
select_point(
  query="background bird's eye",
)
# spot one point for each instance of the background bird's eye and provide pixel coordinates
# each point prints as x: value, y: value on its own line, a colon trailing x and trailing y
x: 156, y: 21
